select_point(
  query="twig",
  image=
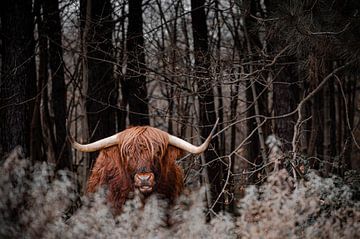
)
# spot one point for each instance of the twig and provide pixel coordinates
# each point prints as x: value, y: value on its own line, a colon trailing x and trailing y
x: 347, y: 113
x: 307, y: 98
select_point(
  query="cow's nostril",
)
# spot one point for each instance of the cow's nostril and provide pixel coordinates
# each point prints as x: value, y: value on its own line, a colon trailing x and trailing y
x: 144, y: 178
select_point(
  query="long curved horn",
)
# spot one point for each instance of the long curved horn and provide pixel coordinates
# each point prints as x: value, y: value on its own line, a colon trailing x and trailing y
x: 95, y: 146
x: 182, y: 144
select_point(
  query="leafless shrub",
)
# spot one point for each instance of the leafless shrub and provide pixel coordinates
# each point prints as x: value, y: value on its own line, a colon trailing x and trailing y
x: 34, y: 203
x: 315, y: 208
x: 32, y: 199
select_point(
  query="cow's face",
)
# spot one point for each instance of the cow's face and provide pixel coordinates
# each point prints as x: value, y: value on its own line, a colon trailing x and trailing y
x: 142, y: 173
x: 144, y: 167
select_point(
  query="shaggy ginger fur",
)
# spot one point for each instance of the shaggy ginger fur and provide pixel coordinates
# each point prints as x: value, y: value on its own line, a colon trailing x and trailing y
x: 138, y: 147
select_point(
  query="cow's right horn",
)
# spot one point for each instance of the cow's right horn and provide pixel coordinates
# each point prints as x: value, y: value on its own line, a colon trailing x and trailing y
x: 182, y: 144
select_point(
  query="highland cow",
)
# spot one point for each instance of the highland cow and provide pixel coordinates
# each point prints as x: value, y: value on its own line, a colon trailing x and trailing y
x: 140, y: 158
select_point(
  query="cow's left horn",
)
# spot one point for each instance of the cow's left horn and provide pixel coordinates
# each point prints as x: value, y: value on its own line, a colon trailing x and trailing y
x: 182, y: 144
x: 95, y: 146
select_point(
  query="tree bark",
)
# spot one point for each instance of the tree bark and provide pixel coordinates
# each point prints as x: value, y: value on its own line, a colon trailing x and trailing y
x: 255, y: 90
x: 327, y: 129
x: 85, y: 23
x: 206, y: 97
x: 134, y: 87
x: 36, y: 139
x: 349, y: 96
x: 122, y: 112
x: 18, y: 81
x: 102, y: 89
x: 56, y: 64
x: 285, y: 100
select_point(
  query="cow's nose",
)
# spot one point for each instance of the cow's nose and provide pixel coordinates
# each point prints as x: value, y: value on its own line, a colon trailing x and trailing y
x: 144, y: 182
x: 144, y: 178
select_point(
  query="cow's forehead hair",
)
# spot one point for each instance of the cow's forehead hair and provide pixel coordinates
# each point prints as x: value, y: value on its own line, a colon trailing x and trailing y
x: 142, y: 142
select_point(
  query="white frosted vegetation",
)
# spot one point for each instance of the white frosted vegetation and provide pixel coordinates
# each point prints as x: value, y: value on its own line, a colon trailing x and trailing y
x: 35, y: 202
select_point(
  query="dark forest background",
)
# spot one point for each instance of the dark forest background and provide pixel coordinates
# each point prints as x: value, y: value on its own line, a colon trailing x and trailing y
x: 282, y: 77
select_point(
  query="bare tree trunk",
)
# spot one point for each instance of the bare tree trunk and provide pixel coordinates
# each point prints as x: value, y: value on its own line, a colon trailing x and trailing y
x: 222, y: 141
x: 315, y: 124
x: 305, y: 111
x: 59, y: 97
x: 233, y: 113
x: 169, y: 67
x: 102, y: 90
x: 85, y: 13
x: 255, y: 90
x: 122, y: 112
x: 314, y: 130
x: 327, y: 129
x: 134, y: 88
x: 48, y: 136
x: 18, y: 80
x: 333, y: 131
x: 174, y: 49
x: 206, y: 97
x: 339, y: 109
x: 285, y: 101
x: 36, y: 138
x: 349, y: 89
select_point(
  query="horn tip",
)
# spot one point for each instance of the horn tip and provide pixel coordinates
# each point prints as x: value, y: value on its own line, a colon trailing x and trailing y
x: 215, y: 126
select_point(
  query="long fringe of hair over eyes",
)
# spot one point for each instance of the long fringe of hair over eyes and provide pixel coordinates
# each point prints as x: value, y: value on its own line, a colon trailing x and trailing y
x: 135, y: 146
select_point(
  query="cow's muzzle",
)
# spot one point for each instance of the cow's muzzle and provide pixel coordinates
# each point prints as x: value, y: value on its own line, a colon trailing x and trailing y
x: 145, y: 182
